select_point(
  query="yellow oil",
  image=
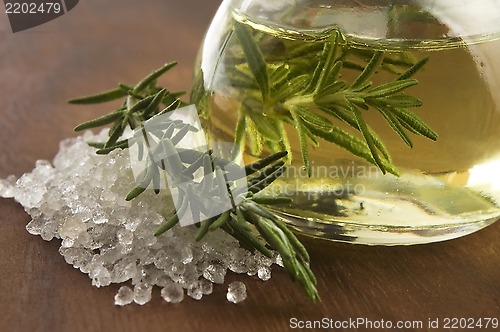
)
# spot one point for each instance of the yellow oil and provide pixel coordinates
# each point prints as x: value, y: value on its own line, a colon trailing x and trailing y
x: 446, y: 188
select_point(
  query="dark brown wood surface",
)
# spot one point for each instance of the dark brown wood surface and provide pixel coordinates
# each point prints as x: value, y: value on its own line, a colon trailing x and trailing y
x: 102, y: 42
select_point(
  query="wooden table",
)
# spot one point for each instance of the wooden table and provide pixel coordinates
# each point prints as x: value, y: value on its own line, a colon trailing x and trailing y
x: 91, y: 48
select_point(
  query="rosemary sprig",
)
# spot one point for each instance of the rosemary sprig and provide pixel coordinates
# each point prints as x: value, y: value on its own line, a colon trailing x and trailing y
x: 143, y: 101
x: 304, y: 89
x: 246, y: 219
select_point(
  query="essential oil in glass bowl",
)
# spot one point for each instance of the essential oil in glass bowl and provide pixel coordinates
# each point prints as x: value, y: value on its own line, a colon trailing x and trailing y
x: 446, y: 188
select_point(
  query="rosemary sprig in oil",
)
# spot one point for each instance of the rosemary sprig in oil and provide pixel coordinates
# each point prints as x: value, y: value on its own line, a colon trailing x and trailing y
x: 303, y: 89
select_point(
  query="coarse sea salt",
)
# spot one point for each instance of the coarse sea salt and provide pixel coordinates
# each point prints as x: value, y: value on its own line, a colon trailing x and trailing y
x: 80, y: 199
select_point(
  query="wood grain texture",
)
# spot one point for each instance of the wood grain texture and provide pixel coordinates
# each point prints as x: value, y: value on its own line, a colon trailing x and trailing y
x: 91, y: 48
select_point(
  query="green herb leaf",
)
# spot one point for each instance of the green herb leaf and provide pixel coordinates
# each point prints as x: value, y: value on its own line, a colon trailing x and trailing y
x: 254, y: 57
x: 254, y: 137
x: 413, y: 69
x: 101, y: 121
x: 363, y: 128
x: 415, y: 122
x: 391, y: 88
x: 239, y: 135
x: 155, y: 103
x: 100, y: 97
x: 396, y: 125
x: 403, y: 101
x: 303, y: 142
x: 143, y: 84
x: 369, y: 70
x: 264, y: 162
x: 324, y: 62
x: 265, y: 125
x: 220, y: 221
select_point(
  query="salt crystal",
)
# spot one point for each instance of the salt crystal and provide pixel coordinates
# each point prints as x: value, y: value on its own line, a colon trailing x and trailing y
x: 110, y: 254
x: 176, y: 271
x: 263, y: 260
x: 206, y: 287
x: 102, y: 278
x: 83, y: 213
x: 35, y: 226
x: 163, y: 280
x: 198, y: 254
x: 173, y: 293
x: 142, y: 293
x: 278, y: 260
x: 132, y: 223
x: 160, y: 259
x: 124, y: 296
x: 252, y: 267
x: 215, y: 272
x: 125, y: 237
x: 186, y: 255
x: 124, y: 270
x: 7, y: 186
x: 195, y: 290
x: 95, y: 266
x: 99, y: 218
x: 29, y: 192
x: 67, y: 243
x: 108, y: 197
x: 264, y: 273
x: 191, y: 273
x: 238, y: 259
x: 72, y: 228
x: 49, y: 230
x: 78, y: 257
x: 236, y: 292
